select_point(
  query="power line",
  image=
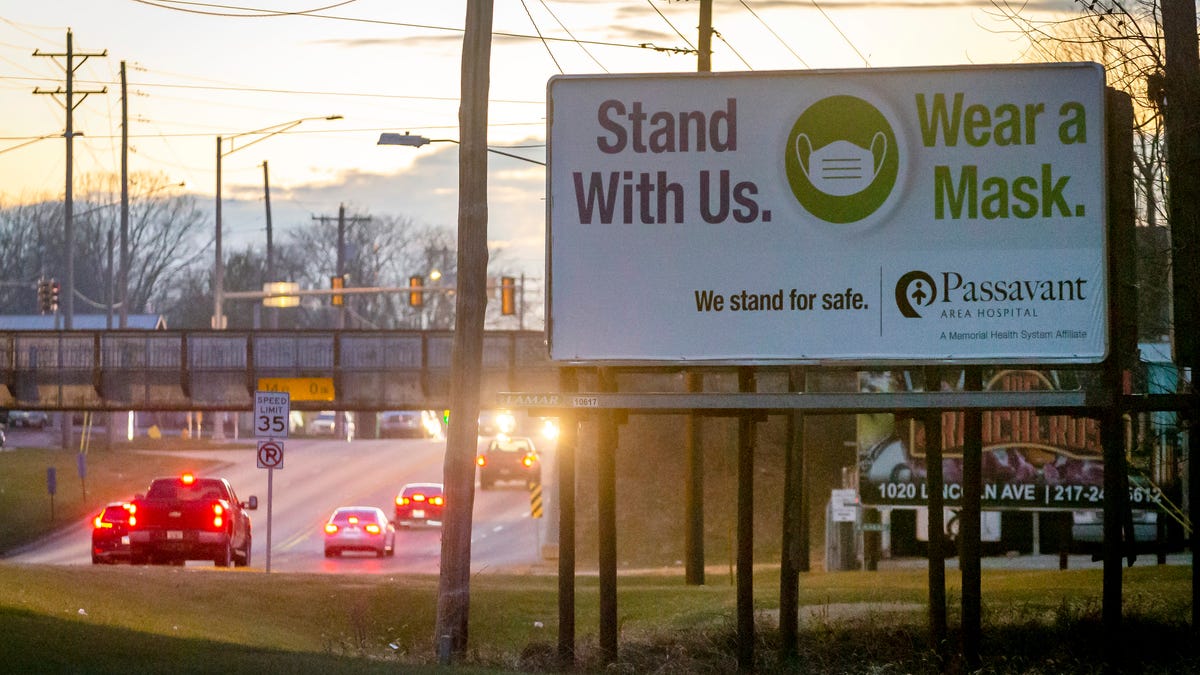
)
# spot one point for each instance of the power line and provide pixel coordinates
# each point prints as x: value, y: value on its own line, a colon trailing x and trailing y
x: 772, y: 32
x: 380, y: 22
x: 668, y: 21
x: 839, y: 30
x: 568, y: 32
x: 735, y: 52
x: 264, y: 90
x: 541, y: 37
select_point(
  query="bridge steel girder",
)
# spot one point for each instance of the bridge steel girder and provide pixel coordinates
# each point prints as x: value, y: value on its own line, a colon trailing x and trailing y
x: 220, y: 370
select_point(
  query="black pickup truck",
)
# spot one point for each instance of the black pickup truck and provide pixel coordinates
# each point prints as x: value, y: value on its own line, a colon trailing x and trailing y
x: 188, y: 518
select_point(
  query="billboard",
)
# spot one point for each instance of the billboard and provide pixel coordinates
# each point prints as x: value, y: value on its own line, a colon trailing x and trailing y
x: 1030, y: 460
x: 885, y: 215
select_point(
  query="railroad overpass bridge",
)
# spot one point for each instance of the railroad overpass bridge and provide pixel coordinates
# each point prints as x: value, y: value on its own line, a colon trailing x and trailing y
x: 220, y: 370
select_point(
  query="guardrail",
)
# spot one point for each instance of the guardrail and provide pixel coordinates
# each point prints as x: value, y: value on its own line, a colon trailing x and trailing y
x: 220, y: 370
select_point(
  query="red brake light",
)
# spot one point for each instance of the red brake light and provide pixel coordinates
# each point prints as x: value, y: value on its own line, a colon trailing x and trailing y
x: 401, y: 500
x: 528, y: 460
x: 132, y: 520
x: 330, y: 528
x: 418, y: 497
x: 436, y: 501
x: 98, y: 522
x: 187, y: 478
x: 373, y: 528
x: 481, y: 460
x: 353, y: 520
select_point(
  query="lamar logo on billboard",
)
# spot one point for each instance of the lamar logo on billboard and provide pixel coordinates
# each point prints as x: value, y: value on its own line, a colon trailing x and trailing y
x: 915, y: 289
x: 842, y: 159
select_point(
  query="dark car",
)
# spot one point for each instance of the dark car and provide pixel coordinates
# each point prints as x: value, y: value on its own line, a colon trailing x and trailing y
x: 406, y: 424
x: 110, y: 534
x: 34, y: 419
x: 420, y: 503
x: 508, y: 458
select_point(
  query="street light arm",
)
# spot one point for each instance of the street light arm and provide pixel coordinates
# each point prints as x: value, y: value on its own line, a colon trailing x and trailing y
x: 273, y: 130
x: 416, y: 141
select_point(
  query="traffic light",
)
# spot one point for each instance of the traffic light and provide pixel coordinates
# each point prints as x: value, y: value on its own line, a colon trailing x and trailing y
x: 337, y: 283
x: 416, y: 296
x: 43, y: 296
x: 508, y: 296
x: 53, y: 296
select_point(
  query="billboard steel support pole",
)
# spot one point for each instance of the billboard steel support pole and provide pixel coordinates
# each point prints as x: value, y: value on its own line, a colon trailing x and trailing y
x: 568, y: 442
x: 793, y: 507
x: 606, y: 496
x: 745, y: 528
x: 693, y: 541
x: 935, y: 480
x: 969, y: 524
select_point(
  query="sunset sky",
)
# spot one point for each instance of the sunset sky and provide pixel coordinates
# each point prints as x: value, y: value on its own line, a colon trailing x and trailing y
x: 197, y: 70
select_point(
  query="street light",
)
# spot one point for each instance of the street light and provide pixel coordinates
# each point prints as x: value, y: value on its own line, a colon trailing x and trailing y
x: 218, y: 319
x: 415, y: 141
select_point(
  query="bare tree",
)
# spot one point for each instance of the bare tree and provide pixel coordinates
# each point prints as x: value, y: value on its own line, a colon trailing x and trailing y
x: 1128, y: 41
x: 163, y: 231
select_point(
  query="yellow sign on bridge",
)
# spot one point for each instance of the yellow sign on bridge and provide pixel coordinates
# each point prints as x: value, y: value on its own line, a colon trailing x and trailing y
x: 300, y: 388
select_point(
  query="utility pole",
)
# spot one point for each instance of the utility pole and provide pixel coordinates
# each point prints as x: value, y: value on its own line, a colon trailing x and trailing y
x: 1182, y: 120
x: 69, y: 105
x: 123, y: 276
x: 341, y: 251
x: 454, y: 580
x: 272, y: 312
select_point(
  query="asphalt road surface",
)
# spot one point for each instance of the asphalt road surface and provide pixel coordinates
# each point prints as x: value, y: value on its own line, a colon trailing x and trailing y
x: 320, y: 475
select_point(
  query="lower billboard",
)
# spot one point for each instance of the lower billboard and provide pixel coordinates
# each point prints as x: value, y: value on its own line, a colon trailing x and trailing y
x: 1030, y: 460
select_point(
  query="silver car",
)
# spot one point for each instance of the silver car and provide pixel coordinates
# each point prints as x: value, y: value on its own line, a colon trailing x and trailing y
x: 359, y: 528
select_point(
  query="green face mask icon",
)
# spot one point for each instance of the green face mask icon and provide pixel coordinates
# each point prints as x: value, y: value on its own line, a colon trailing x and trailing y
x: 842, y: 159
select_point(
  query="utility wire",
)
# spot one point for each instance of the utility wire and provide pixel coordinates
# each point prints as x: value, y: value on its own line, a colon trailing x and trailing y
x: 839, y: 30
x: 735, y: 52
x: 263, y: 90
x: 772, y: 31
x: 165, y: 4
x: 540, y: 37
x: 568, y: 32
x: 664, y: 18
x: 402, y: 24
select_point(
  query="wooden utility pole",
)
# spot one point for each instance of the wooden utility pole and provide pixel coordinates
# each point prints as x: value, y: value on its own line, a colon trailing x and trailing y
x: 1181, y: 108
x: 123, y: 275
x: 454, y: 581
x: 69, y: 104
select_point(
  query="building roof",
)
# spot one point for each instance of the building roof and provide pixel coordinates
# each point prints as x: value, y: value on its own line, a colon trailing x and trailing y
x: 17, y: 322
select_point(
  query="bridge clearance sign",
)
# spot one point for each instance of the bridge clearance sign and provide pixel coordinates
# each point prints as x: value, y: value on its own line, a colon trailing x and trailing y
x: 885, y: 215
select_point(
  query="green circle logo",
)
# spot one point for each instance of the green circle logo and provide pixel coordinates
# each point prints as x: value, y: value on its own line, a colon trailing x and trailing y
x: 842, y: 159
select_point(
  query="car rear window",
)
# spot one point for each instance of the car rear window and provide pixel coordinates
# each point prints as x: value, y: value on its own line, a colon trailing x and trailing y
x: 343, y: 517
x: 201, y: 489
x: 511, y: 446
x: 115, y: 514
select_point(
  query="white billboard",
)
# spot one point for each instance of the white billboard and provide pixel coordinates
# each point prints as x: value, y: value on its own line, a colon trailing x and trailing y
x: 885, y: 215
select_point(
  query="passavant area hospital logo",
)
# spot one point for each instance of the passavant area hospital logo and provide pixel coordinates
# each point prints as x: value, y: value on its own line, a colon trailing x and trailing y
x: 914, y: 290
x: 842, y: 159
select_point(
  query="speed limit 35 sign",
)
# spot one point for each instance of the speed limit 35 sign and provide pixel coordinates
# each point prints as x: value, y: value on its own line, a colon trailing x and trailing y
x: 272, y: 409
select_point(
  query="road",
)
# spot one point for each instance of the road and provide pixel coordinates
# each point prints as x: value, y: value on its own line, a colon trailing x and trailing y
x: 320, y: 475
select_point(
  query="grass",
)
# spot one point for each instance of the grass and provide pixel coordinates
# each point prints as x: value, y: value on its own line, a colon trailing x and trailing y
x: 185, y: 620
x: 109, y: 475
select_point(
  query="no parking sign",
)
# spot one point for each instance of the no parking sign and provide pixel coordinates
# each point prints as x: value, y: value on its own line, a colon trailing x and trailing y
x: 270, y: 454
